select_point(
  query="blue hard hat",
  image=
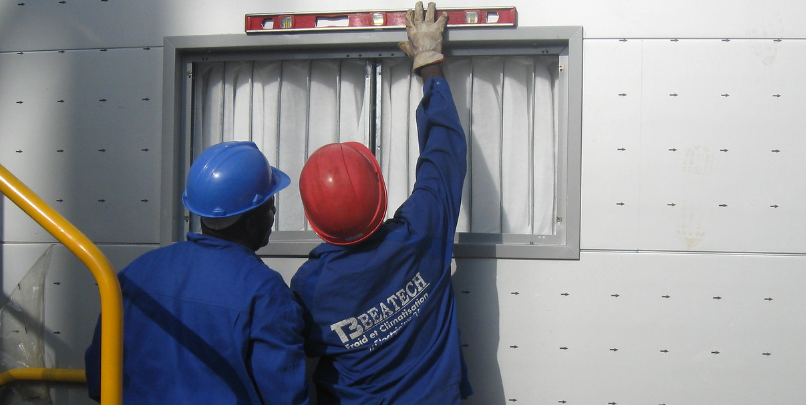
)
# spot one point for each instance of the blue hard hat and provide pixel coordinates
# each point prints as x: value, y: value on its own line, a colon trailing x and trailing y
x: 231, y: 178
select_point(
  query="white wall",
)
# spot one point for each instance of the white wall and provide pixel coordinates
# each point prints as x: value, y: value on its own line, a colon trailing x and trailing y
x: 683, y: 196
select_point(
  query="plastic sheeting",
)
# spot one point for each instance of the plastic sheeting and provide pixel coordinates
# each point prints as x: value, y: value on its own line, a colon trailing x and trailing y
x: 508, y: 106
x: 22, y: 324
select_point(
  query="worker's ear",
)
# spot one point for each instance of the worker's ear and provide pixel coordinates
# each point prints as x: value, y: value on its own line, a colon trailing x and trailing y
x: 252, y: 224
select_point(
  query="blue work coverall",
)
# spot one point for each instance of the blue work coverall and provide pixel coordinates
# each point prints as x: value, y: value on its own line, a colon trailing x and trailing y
x: 381, y: 314
x: 206, y: 322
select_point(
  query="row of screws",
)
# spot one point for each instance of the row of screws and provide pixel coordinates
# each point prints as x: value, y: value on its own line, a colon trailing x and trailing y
x: 61, y: 2
x: 145, y: 48
x: 103, y: 100
x: 621, y: 204
x: 723, y: 40
x: 99, y: 150
x: 666, y: 296
x: 678, y: 95
x: 723, y: 150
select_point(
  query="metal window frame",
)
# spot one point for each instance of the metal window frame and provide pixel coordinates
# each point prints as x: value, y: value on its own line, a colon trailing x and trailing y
x: 181, y: 52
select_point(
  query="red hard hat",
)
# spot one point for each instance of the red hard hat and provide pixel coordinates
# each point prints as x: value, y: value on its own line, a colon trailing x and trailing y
x: 343, y: 193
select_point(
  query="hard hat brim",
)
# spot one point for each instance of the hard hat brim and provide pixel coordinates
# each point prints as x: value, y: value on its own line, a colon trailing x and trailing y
x: 279, y: 180
x: 230, y: 178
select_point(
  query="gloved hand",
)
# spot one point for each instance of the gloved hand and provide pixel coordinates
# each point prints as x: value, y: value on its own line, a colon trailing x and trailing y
x: 425, y: 36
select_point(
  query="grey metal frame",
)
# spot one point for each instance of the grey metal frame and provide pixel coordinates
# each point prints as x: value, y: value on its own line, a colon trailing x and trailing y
x: 181, y: 52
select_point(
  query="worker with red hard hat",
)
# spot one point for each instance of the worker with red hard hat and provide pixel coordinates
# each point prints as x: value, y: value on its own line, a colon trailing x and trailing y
x: 352, y: 188
x: 206, y: 321
x: 377, y: 298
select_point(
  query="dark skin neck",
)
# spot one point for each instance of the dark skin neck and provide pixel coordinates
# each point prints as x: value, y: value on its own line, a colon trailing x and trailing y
x: 247, y: 235
x: 252, y: 229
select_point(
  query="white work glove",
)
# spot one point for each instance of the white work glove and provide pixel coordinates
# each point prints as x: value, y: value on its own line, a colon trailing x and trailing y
x: 425, y: 36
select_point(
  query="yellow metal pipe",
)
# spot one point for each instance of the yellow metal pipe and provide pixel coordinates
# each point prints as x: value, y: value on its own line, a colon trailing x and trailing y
x: 108, y: 285
x: 42, y: 374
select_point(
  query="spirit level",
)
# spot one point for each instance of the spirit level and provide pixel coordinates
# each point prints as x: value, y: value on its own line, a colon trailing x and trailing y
x: 363, y: 20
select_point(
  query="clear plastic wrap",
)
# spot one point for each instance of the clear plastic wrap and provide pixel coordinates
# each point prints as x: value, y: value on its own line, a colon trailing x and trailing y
x: 22, y: 326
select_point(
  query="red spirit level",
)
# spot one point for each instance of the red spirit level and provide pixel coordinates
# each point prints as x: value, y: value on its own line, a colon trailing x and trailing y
x: 370, y: 20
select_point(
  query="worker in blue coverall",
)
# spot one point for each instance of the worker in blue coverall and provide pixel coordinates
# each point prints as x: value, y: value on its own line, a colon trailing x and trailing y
x: 379, y: 306
x: 205, y: 320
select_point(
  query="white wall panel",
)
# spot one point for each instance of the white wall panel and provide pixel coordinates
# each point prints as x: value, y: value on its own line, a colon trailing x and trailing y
x: 80, y: 24
x: 611, y: 144
x: 634, y: 328
x: 680, y: 19
x: 678, y: 148
x: 705, y: 113
x: 81, y: 129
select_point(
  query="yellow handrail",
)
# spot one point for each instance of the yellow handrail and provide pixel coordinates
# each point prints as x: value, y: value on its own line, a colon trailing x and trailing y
x: 42, y: 374
x: 108, y: 285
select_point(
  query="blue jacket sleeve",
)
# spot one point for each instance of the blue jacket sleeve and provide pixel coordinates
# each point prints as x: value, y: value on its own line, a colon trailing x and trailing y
x: 433, y: 207
x: 278, y: 359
